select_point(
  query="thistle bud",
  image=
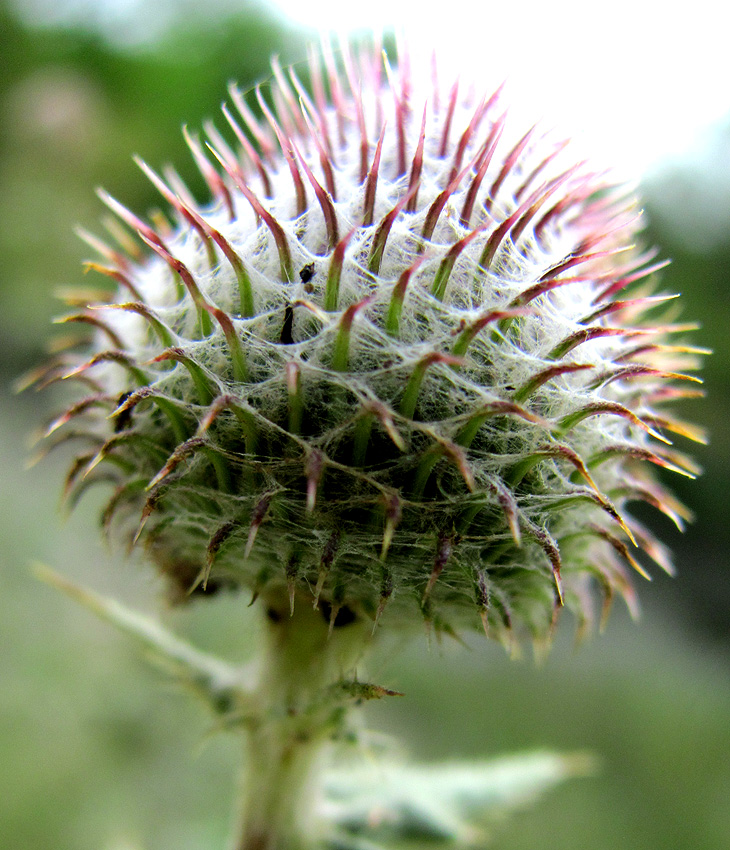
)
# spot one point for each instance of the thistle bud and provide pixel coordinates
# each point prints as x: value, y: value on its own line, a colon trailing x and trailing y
x: 406, y: 361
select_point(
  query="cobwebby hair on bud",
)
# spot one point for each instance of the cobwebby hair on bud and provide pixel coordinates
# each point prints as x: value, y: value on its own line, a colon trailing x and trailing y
x: 406, y: 362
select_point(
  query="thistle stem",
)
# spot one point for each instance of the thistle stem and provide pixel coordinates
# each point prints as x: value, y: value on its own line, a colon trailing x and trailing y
x: 303, y: 707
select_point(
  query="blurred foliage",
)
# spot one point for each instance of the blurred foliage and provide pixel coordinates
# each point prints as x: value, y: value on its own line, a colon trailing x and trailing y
x: 75, y: 110
x: 95, y: 753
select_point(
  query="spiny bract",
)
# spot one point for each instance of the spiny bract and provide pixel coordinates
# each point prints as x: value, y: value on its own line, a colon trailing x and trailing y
x: 394, y: 363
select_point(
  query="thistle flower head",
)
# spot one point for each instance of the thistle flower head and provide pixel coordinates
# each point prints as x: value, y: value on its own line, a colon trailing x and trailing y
x: 406, y: 361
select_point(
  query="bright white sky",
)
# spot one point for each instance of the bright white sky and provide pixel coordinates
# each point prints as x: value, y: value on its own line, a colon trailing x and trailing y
x: 635, y: 81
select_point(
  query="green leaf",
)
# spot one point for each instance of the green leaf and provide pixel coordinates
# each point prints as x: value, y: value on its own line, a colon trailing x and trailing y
x: 452, y: 805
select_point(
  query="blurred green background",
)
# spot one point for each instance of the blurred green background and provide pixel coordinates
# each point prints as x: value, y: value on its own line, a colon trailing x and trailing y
x: 94, y: 751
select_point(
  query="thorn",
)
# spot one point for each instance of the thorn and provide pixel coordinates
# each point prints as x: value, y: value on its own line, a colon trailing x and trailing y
x: 397, y: 299
x: 341, y: 354
x: 454, y: 93
x: 313, y: 469
x: 550, y: 548
x: 443, y: 553
x: 380, y: 239
x: 334, y: 611
x: 324, y: 200
x: 393, y: 516
x: 257, y: 517
x: 214, y: 545
x: 416, y: 166
x: 386, y: 591
x: 328, y: 557
x: 372, y: 183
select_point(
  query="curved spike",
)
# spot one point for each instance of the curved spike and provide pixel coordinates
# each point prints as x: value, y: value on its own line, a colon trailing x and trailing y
x: 641, y: 304
x: 532, y: 210
x: 313, y: 470
x: 180, y: 454
x: 582, y: 336
x: 467, y: 336
x: 169, y: 407
x: 497, y: 236
x: 249, y: 151
x: 483, y: 598
x: 444, y: 550
x: 325, y: 160
x: 413, y: 387
x: 293, y: 374
x: 622, y: 549
x: 385, y: 417
x: 164, y: 334
x: 241, y: 411
x: 509, y: 164
x: 205, y: 386
x: 102, y: 248
x: 640, y: 371
x: 559, y: 452
x: 489, y: 147
x: 656, y: 496
x: 467, y: 434
x: 319, y: 97
x: 479, y: 113
x: 129, y: 218
x: 288, y: 95
x: 453, y: 95
x: 179, y: 268
x: 94, y: 321
x: 417, y: 165
x: 397, y: 299
x: 685, y: 429
x: 325, y: 564
x: 123, y: 439
x: 372, y: 183
x: 122, y: 237
x: 611, y: 290
x: 115, y: 274
x: 600, y: 408
x: 324, y: 200
x: 83, y: 297
x: 659, y: 553
x: 221, y: 535
x: 261, y: 137
x: 285, y: 143
x: 381, y: 234
x: 235, y: 349
x: 217, y: 187
x: 148, y: 509
x: 341, y: 353
x: 542, y: 377
x: 674, y: 461
x: 258, y: 515
x: 542, y: 165
x: 282, y: 245
x: 77, y: 409
x: 400, y: 118
x: 334, y: 273
x: 357, y: 103
x: 393, y: 516
x: 128, y: 490
x: 386, y: 591
x: 121, y: 358
x: 550, y: 548
x: 179, y: 206
x: 441, y: 278
x: 437, y: 207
